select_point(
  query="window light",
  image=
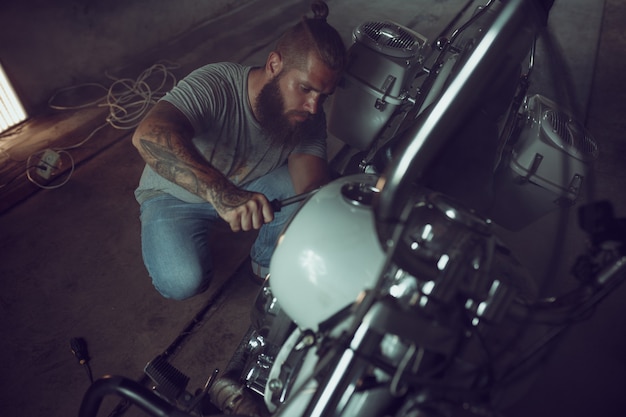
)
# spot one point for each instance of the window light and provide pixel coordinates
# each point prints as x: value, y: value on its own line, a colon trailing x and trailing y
x: 11, y: 109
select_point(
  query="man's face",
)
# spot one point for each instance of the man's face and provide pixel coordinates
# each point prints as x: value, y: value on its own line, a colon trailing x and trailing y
x: 291, y: 102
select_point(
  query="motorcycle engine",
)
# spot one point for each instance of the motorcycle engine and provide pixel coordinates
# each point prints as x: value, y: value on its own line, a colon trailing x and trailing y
x: 382, y: 64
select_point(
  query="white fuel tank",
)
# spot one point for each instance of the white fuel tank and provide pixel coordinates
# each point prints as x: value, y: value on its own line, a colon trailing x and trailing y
x: 328, y: 253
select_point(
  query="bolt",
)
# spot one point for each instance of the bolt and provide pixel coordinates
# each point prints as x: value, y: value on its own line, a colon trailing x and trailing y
x: 275, y: 385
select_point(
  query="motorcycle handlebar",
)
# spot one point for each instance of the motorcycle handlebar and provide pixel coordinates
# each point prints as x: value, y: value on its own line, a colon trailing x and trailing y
x: 131, y: 390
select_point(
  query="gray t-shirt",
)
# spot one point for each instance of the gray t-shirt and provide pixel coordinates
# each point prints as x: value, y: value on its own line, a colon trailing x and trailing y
x: 215, y: 100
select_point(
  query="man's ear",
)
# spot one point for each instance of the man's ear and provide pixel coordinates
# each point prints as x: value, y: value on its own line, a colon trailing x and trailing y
x: 274, y: 64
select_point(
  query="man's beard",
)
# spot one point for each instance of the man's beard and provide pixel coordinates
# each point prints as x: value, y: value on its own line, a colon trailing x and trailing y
x: 270, y: 108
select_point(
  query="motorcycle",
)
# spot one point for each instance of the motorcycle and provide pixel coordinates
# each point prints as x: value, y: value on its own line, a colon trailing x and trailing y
x: 389, y: 291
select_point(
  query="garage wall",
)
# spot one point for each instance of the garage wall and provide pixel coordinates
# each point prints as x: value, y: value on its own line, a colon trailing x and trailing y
x: 47, y: 45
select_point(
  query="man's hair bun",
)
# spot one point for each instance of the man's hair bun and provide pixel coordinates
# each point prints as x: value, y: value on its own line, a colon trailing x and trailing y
x: 320, y: 10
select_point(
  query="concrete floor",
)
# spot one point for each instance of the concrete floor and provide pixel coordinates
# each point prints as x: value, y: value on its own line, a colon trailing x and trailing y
x: 71, y: 262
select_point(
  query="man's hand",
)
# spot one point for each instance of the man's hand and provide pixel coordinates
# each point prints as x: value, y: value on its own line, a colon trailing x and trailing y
x: 243, y: 210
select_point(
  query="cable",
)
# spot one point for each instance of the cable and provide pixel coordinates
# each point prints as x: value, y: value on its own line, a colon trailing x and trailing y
x: 74, y: 88
x: 78, y: 345
x: 137, y: 95
x: 127, y: 100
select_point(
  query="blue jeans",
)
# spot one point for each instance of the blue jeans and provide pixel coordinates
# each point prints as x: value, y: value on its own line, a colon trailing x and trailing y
x: 176, y: 235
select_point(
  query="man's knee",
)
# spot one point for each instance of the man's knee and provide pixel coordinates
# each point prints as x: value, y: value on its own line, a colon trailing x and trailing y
x: 183, y: 284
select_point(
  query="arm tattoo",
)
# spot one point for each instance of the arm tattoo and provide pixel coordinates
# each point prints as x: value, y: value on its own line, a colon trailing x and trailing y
x: 204, y: 180
x: 166, y: 164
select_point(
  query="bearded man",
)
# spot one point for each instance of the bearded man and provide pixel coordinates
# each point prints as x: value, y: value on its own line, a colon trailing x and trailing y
x: 226, y: 141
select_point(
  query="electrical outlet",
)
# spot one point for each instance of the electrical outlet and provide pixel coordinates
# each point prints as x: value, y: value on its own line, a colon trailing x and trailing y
x: 48, y: 163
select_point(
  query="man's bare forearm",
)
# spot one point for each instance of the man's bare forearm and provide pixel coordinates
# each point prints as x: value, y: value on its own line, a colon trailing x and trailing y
x: 198, y: 178
x: 164, y: 141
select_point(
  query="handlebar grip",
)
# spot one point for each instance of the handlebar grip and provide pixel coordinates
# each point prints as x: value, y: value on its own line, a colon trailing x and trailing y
x: 131, y: 390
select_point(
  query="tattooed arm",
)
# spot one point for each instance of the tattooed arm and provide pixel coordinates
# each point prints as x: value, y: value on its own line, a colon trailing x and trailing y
x: 163, y: 139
